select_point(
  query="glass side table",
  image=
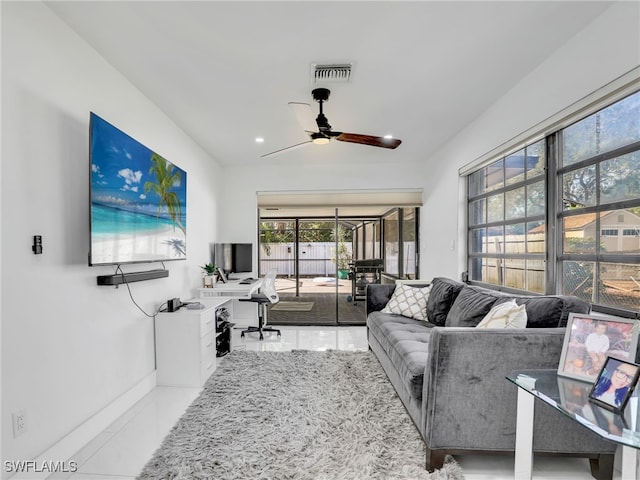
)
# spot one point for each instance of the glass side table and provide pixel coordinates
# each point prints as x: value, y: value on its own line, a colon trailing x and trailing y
x: 571, y: 397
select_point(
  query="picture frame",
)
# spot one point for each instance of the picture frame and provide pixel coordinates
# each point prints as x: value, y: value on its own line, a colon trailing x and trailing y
x: 574, y: 399
x: 221, y: 275
x: 591, y: 338
x: 615, y: 384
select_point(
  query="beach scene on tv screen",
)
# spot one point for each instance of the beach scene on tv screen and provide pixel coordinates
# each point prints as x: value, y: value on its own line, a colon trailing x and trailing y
x: 138, y: 200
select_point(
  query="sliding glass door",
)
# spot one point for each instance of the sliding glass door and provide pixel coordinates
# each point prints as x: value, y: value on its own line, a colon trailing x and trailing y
x: 324, y: 263
x: 313, y: 257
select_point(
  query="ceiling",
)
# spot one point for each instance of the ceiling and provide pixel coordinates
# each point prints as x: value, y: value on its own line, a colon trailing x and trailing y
x: 224, y: 72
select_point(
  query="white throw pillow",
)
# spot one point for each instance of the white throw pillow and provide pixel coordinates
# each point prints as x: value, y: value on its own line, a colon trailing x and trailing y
x: 408, y: 301
x: 505, y: 315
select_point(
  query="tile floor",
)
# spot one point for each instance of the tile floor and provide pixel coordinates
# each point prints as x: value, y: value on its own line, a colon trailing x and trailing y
x: 121, y: 451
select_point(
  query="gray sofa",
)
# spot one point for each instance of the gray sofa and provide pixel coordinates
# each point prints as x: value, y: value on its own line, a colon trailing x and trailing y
x: 451, y: 376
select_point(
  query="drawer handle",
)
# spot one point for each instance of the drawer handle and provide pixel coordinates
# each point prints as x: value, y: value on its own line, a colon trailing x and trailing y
x: 209, y: 366
x: 208, y: 344
x: 208, y: 321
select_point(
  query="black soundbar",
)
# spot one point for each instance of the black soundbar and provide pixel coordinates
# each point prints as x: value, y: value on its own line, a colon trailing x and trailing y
x: 118, y: 278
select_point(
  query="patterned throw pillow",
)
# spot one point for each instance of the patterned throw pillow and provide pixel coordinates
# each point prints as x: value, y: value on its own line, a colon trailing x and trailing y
x: 505, y: 315
x: 409, y: 301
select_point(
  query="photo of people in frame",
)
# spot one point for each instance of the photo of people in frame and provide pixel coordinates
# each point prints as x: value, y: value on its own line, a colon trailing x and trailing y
x: 615, y: 383
x: 590, y: 339
x: 574, y: 398
x: 597, y: 345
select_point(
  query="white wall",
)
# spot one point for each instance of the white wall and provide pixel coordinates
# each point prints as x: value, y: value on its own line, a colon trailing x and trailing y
x: 241, y: 184
x: 606, y: 49
x: 70, y: 347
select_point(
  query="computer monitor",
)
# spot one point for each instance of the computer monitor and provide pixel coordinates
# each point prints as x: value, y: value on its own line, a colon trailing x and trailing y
x: 234, y: 257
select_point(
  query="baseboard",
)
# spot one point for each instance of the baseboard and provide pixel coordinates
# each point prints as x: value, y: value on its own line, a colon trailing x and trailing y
x: 88, y: 430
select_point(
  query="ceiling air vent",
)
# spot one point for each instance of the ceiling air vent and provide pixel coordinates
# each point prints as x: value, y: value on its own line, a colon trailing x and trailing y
x: 334, y: 73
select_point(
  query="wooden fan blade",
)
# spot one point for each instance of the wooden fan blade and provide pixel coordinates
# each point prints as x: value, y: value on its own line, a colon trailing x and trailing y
x: 286, y: 148
x: 369, y: 140
x: 305, y: 116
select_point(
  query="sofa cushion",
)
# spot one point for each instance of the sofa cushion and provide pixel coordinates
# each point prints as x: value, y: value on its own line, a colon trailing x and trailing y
x: 443, y: 293
x: 405, y: 341
x: 546, y: 311
x: 471, y: 306
x: 408, y: 301
x: 543, y: 311
x: 505, y: 315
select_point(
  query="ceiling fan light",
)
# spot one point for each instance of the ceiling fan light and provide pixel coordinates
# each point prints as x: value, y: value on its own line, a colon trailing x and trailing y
x: 319, y: 139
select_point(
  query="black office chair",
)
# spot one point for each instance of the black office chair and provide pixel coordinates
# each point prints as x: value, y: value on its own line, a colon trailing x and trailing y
x: 267, y: 294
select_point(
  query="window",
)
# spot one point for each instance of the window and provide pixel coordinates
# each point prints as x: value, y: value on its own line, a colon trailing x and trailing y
x: 391, y: 228
x: 409, y: 243
x: 372, y: 240
x: 506, y: 220
x: 400, y: 233
x: 584, y: 181
x: 599, y: 177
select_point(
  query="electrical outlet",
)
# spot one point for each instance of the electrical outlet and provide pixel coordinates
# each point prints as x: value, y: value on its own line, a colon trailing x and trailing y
x: 19, y: 423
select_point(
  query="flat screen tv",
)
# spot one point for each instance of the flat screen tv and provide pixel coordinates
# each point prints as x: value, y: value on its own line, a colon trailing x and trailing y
x: 138, y: 200
x: 234, y: 257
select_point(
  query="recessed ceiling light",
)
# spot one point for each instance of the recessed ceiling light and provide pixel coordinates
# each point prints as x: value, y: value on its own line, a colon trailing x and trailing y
x: 259, y: 139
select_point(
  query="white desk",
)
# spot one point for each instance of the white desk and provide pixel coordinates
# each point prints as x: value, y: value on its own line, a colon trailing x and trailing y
x: 245, y: 314
x: 232, y: 288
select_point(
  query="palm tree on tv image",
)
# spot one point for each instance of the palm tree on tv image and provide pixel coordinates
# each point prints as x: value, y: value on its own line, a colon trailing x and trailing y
x: 166, y: 178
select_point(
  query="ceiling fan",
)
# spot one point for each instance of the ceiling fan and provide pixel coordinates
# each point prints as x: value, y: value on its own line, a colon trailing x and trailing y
x: 320, y: 131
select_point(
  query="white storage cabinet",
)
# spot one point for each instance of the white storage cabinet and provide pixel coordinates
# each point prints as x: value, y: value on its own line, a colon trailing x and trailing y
x: 185, y: 346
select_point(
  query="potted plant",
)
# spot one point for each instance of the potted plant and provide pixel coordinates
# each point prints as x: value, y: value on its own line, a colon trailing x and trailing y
x: 342, y: 254
x: 209, y: 276
x: 343, y: 259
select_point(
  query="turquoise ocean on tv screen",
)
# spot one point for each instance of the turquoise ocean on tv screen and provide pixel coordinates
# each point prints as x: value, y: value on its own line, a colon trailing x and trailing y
x: 112, y: 221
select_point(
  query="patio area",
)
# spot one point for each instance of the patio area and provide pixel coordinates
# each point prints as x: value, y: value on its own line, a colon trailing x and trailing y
x: 315, y: 303
x: 322, y: 285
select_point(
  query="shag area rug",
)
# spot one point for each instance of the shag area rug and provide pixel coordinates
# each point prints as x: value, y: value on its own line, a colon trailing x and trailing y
x: 298, y: 415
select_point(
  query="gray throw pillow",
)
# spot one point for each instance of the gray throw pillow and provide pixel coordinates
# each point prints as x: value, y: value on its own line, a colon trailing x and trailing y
x: 544, y: 311
x: 470, y: 307
x: 443, y: 293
